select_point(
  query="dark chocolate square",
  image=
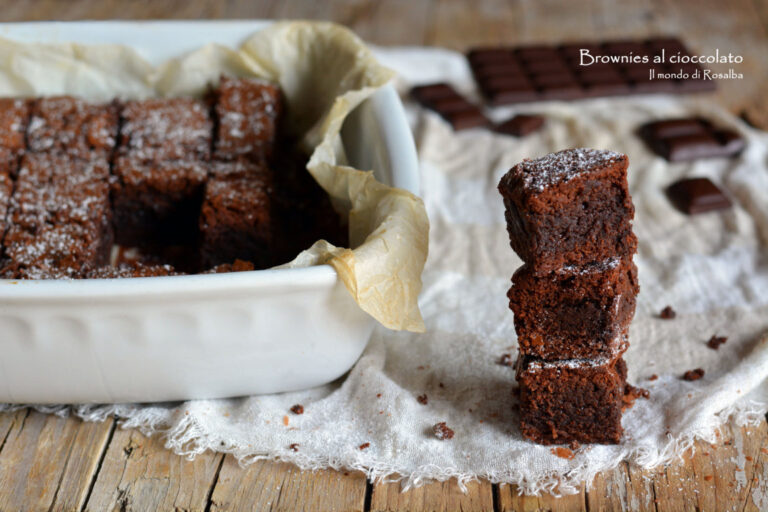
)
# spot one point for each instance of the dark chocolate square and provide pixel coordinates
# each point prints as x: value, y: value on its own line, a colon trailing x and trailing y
x: 697, y: 195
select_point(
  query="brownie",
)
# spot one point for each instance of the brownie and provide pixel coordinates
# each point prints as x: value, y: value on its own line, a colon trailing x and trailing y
x: 235, y: 221
x: 133, y: 269
x: 569, y: 208
x: 59, y: 216
x: 53, y: 251
x: 166, y: 129
x: 157, y: 201
x: 574, y: 313
x: 56, y: 189
x: 577, y: 400
x: 69, y: 125
x: 247, y: 111
x: 14, y: 115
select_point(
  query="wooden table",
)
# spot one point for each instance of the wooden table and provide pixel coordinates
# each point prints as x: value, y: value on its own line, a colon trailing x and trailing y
x: 53, y: 463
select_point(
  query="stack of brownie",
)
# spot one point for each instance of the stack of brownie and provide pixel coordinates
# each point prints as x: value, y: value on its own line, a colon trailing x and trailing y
x: 569, y: 216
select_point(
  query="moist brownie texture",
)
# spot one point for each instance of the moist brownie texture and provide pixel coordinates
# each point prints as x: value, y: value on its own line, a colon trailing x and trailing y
x: 578, y: 400
x: 166, y: 129
x: 73, y: 126
x: 569, y: 208
x: 181, y: 185
x: 247, y: 113
x: 157, y: 201
x: 59, y: 216
x: 569, y: 217
x: 14, y: 115
x: 235, y: 222
x: 574, y: 312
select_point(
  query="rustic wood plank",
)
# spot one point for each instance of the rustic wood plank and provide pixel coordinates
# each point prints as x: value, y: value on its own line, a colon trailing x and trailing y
x: 435, y: 497
x: 511, y: 501
x: 276, y: 486
x: 625, y: 488
x: 139, y: 474
x: 757, y: 495
x: 49, y: 462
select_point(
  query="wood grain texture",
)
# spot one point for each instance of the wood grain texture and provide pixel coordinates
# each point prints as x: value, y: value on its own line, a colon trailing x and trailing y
x: 53, y: 463
x: 139, y: 474
x: 48, y: 462
x: 436, y: 497
x: 276, y: 486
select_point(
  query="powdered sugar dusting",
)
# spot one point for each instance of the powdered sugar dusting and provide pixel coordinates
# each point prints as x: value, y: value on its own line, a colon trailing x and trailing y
x: 563, y: 166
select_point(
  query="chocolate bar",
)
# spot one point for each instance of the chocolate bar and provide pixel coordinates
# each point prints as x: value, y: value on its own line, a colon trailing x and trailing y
x: 697, y: 195
x: 520, y: 125
x: 685, y: 139
x: 535, y: 73
x: 454, y: 108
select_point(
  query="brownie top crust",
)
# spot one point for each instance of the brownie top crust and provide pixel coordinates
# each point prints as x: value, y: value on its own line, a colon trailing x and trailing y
x: 556, y: 168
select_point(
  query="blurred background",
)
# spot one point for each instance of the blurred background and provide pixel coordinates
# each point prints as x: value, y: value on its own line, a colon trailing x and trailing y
x: 737, y: 26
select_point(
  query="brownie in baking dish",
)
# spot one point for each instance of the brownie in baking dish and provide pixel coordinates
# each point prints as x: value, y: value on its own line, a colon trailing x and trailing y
x: 569, y: 208
x: 157, y: 201
x: 574, y: 312
x: 247, y: 114
x: 14, y: 115
x: 59, y: 218
x: 69, y: 125
x: 236, y: 216
x: 578, y: 400
x: 166, y: 129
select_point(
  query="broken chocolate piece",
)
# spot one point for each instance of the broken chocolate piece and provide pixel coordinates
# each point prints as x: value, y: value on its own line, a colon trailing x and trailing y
x: 520, y: 125
x: 697, y: 195
x: 680, y: 140
x: 450, y: 105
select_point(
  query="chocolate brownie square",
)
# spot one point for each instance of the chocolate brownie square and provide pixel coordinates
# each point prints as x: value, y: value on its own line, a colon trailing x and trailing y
x: 574, y: 312
x: 157, y: 202
x: 70, y: 125
x: 59, y: 216
x: 248, y: 111
x: 569, y: 208
x: 56, y: 189
x: 235, y: 222
x: 166, y: 129
x: 53, y: 251
x: 578, y: 400
x: 14, y: 115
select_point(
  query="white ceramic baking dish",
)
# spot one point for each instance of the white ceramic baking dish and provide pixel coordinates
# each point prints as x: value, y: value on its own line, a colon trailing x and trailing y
x: 199, y: 336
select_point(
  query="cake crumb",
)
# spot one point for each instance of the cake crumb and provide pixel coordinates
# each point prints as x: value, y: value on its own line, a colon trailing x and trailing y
x: 286, y: 421
x: 297, y: 409
x: 294, y: 447
x: 562, y: 452
x: 667, y: 313
x: 422, y: 399
x: 378, y: 395
x: 442, y: 431
x: 364, y: 446
x: 692, y: 375
x: 653, y: 377
x: 715, y: 341
x: 632, y: 393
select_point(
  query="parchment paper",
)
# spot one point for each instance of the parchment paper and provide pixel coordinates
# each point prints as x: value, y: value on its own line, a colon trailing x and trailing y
x: 325, y: 71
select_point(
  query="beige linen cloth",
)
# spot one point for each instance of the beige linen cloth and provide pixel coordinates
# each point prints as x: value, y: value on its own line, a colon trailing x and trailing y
x: 712, y: 269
